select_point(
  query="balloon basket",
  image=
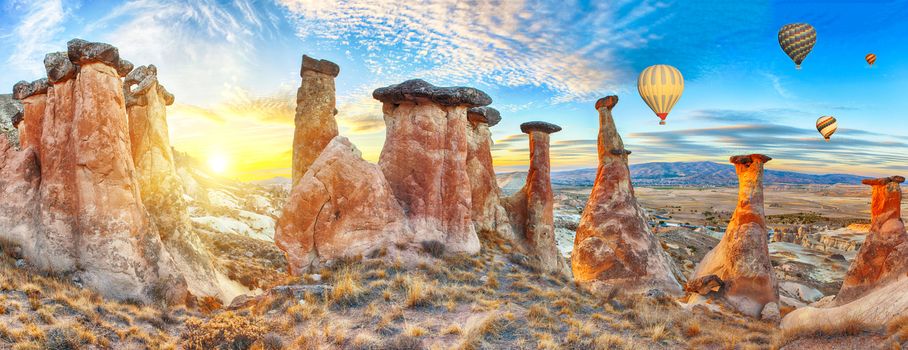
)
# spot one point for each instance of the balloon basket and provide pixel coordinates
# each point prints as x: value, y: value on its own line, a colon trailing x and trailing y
x: 661, y: 122
x: 798, y: 66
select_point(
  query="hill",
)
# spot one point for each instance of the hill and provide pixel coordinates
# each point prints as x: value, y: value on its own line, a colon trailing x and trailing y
x: 681, y: 174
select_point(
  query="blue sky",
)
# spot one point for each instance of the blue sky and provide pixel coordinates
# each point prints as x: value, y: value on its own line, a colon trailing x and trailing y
x: 234, y: 68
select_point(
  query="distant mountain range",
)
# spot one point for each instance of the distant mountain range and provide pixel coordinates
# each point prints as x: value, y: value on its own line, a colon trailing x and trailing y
x: 681, y: 174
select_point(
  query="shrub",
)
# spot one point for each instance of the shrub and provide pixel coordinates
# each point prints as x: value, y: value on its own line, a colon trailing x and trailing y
x: 226, y: 331
x: 434, y: 248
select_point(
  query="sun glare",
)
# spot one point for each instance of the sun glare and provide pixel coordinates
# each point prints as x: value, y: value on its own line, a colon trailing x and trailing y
x: 218, y: 163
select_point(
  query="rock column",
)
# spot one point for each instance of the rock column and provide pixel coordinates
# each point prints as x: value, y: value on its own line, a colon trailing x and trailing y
x: 614, y: 246
x: 119, y: 251
x: 425, y: 158
x: 532, y: 208
x: 160, y: 187
x: 34, y: 99
x: 488, y: 214
x: 315, y: 110
x: 741, y: 259
x: 884, y: 255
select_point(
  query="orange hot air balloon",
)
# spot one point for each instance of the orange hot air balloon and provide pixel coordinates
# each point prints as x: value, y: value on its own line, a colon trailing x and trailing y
x: 870, y: 58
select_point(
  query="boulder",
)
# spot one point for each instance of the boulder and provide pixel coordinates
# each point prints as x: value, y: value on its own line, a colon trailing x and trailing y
x: 704, y: 285
x: 315, y: 110
x: 531, y: 209
x: 741, y: 259
x: 342, y: 207
x: 884, y: 255
x: 488, y: 214
x: 614, y: 246
x: 161, y: 189
x: 424, y: 158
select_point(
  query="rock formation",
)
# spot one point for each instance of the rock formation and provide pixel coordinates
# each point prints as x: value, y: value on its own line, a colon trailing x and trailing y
x: 425, y: 158
x: 20, y: 177
x: 614, y: 246
x: 741, y: 259
x: 315, y: 109
x: 90, y: 219
x: 160, y: 186
x: 488, y: 214
x: 341, y: 207
x: 531, y: 209
x: 34, y: 98
x: 884, y: 255
x: 10, y: 116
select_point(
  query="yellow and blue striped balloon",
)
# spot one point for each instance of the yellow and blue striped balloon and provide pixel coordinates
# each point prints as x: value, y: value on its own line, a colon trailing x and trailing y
x: 660, y: 86
x: 827, y: 125
x: 797, y: 39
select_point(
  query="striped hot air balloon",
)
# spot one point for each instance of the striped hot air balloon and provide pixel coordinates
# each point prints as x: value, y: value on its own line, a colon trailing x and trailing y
x: 827, y: 125
x: 797, y: 39
x: 870, y: 58
x: 660, y: 86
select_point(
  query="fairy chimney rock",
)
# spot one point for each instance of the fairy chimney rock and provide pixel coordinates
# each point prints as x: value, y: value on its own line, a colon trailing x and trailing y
x: 488, y: 214
x: 531, y: 209
x: 425, y: 158
x: 34, y: 100
x: 315, y: 110
x: 614, y: 247
x: 741, y: 259
x: 884, y: 255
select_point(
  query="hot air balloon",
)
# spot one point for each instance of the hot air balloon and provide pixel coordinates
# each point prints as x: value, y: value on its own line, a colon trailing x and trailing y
x: 797, y: 39
x: 870, y: 58
x: 660, y: 86
x: 827, y: 125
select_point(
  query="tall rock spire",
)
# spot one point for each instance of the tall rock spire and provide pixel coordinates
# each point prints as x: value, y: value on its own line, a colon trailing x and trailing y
x: 615, y: 246
x: 315, y: 110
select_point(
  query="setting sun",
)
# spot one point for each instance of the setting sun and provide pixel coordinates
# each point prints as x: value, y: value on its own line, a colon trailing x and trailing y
x: 218, y: 163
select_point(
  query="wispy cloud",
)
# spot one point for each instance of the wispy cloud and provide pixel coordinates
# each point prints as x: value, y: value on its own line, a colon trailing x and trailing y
x: 507, y: 43
x: 34, y: 35
x: 777, y: 85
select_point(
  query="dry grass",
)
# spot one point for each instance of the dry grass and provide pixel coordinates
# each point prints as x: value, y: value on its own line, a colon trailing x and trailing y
x: 835, y: 328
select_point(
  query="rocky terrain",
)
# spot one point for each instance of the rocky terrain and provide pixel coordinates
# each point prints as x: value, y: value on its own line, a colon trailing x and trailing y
x: 112, y: 239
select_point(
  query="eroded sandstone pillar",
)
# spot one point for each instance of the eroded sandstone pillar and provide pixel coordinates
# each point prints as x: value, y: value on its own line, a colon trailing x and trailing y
x: 614, y: 246
x: 119, y: 251
x: 532, y: 208
x: 884, y: 255
x: 315, y: 110
x: 488, y: 214
x: 741, y: 259
x: 160, y: 188
x: 20, y: 178
x: 34, y: 100
x: 425, y: 158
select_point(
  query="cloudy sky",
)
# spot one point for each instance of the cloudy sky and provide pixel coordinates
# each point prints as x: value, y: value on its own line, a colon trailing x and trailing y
x: 234, y: 67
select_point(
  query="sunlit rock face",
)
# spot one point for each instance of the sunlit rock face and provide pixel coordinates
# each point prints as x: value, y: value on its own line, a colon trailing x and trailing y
x: 315, y: 110
x: 342, y: 207
x: 160, y: 187
x: 741, y: 260
x: 90, y: 218
x: 531, y: 209
x: 884, y: 255
x: 34, y: 99
x: 488, y: 214
x: 614, y: 246
x: 424, y: 158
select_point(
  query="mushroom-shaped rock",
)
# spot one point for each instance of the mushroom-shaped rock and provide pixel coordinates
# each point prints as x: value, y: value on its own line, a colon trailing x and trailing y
x: 425, y: 159
x: 315, y: 125
x: 487, y: 115
x: 531, y: 209
x: 59, y: 67
x: 418, y: 89
x: 137, y: 84
x: 741, y: 259
x: 884, y: 255
x: 614, y: 247
x: 488, y: 214
x: 543, y: 127
x: 342, y: 208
